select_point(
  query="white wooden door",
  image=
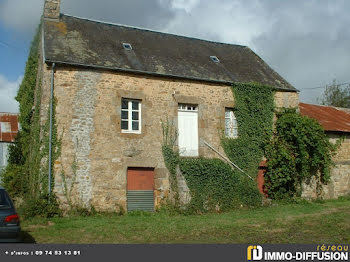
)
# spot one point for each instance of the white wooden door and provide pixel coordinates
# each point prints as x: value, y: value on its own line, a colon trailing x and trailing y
x: 188, y: 133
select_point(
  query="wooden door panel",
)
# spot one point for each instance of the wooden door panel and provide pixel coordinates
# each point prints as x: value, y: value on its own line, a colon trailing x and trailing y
x: 140, y: 179
x: 188, y: 133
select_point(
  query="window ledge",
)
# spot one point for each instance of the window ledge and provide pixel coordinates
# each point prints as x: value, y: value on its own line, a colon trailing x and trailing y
x: 131, y: 132
x: 232, y: 137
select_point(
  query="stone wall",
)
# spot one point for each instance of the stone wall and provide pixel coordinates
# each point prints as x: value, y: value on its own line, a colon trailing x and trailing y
x: 286, y: 99
x: 339, y: 184
x: 96, y: 154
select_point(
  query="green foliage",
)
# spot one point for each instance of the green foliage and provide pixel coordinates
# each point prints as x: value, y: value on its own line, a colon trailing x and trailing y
x: 214, y: 186
x: 15, y: 152
x: 170, y: 133
x: 13, y: 182
x: 254, y: 106
x: 307, y: 222
x: 26, y: 176
x: 43, y: 206
x: 299, y: 151
x: 336, y: 95
x: 18, y: 174
x: 44, y: 149
x: 171, y: 159
x: 140, y: 213
x: 82, y: 211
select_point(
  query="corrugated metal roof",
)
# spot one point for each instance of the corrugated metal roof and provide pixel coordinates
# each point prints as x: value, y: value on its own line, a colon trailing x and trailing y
x: 79, y: 41
x: 8, y: 127
x: 331, y: 118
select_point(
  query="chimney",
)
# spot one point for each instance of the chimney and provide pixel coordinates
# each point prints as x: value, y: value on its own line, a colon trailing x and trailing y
x: 52, y: 9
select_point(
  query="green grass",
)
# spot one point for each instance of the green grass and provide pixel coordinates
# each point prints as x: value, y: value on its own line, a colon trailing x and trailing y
x: 306, y: 222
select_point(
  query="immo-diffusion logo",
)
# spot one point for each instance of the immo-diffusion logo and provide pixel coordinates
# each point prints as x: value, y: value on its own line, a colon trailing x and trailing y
x: 332, y: 253
x: 254, y: 253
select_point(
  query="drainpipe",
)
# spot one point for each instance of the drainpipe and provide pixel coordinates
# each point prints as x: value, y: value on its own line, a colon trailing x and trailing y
x: 51, y: 113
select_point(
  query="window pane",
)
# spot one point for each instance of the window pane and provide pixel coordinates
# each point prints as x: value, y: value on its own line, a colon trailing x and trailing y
x: 235, y: 132
x: 227, y: 132
x: 227, y: 123
x: 135, y: 125
x: 227, y: 113
x: 234, y: 123
x: 124, y: 114
x: 135, y: 105
x: 135, y: 115
x: 125, y: 125
x: 124, y: 104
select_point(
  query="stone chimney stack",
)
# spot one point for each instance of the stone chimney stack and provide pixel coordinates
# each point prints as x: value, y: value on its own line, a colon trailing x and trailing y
x: 52, y: 9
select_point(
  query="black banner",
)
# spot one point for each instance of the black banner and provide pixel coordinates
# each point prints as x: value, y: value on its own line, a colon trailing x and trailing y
x: 166, y: 253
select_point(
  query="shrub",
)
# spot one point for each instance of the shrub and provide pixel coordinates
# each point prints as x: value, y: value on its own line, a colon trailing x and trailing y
x: 215, y: 186
x: 13, y: 181
x: 299, y: 151
x: 44, y: 206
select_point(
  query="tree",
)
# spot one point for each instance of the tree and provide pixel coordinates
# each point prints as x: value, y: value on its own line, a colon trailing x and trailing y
x: 336, y: 95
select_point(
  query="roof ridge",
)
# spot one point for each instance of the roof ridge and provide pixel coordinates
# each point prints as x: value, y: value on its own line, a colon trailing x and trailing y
x: 335, y: 107
x: 152, y: 30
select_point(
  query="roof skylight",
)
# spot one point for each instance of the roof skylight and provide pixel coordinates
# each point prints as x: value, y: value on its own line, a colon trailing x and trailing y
x: 214, y: 59
x: 127, y: 46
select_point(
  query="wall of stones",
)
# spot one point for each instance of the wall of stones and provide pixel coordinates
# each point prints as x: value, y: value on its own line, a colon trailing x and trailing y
x: 96, y: 154
x: 286, y: 99
x: 339, y: 184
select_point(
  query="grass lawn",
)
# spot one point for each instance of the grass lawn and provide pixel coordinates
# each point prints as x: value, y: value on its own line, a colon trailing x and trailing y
x: 326, y: 222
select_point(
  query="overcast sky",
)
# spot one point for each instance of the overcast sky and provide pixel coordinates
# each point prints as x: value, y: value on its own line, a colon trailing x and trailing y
x: 305, y: 41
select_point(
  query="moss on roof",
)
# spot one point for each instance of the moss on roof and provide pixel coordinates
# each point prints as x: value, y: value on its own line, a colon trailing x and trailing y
x: 81, y: 41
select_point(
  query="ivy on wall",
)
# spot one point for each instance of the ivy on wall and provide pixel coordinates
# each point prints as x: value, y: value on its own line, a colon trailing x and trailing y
x: 213, y: 184
x: 171, y: 157
x: 299, y: 151
x: 24, y: 156
x: 254, y: 108
x: 26, y: 176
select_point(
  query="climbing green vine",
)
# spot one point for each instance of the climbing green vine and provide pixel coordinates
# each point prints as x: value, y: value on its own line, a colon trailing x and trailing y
x: 26, y: 176
x: 24, y: 160
x: 254, y: 107
x: 171, y: 157
x: 213, y: 184
x: 299, y: 151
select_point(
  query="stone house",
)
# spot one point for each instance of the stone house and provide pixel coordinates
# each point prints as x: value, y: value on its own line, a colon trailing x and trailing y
x: 8, y: 131
x: 336, y: 123
x: 113, y: 86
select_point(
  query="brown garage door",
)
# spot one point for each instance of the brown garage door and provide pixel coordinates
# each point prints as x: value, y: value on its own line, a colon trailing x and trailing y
x: 140, y: 189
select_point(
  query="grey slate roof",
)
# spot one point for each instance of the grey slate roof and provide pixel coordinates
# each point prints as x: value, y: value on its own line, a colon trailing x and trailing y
x: 79, y: 41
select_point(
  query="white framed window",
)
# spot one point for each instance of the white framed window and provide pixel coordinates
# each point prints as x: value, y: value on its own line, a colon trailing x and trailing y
x: 187, y: 107
x: 131, y: 116
x: 231, y: 125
